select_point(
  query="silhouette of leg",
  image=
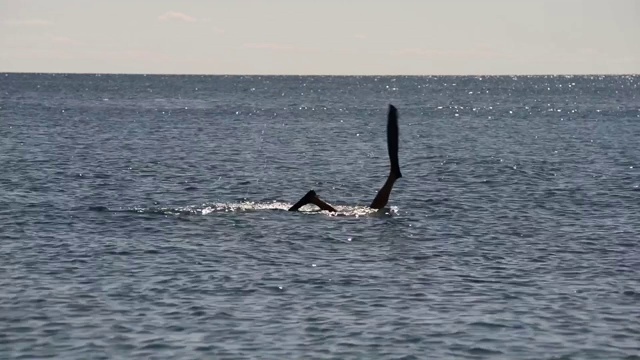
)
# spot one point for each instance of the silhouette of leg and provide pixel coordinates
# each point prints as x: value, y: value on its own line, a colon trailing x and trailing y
x: 381, y: 199
x: 312, y: 198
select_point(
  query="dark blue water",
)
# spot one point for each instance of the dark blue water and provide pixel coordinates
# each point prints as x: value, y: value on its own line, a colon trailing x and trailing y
x: 143, y: 216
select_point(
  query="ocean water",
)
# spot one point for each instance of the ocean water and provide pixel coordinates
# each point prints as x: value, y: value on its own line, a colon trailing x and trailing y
x: 144, y: 217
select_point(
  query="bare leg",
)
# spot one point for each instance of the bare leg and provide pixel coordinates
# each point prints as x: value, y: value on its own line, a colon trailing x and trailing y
x: 381, y: 199
x: 312, y: 198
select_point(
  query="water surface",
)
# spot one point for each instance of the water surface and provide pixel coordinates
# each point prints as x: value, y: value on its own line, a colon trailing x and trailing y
x: 144, y: 216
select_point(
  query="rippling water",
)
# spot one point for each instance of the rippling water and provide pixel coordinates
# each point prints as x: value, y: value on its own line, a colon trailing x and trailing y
x: 144, y: 216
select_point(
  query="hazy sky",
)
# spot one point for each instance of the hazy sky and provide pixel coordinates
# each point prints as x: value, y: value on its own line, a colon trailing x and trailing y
x: 321, y: 36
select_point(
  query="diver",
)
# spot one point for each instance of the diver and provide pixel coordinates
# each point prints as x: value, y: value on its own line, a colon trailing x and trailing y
x: 382, y: 197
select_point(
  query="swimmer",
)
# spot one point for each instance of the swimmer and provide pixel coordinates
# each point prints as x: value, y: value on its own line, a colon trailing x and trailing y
x: 381, y: 199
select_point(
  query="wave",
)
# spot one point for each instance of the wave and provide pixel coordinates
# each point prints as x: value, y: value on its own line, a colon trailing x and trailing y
x: 249, y: 206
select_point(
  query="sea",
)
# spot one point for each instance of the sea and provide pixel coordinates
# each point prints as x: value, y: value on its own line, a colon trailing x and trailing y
x: 146, y: 217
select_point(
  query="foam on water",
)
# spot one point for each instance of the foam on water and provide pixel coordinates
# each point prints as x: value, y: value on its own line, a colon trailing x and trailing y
x: 250, y: 206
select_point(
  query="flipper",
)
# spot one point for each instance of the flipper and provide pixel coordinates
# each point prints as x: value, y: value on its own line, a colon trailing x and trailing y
x: 392, y: 140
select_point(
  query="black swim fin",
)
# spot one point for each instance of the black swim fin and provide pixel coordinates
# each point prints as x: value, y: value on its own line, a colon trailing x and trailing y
x: 392, y: 140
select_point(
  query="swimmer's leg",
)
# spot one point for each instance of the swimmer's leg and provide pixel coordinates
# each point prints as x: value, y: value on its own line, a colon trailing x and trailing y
x: 312, y: 198
x: 381, y: 199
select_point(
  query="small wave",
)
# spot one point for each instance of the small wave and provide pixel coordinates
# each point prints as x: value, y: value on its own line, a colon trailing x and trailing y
x: 248, y: 206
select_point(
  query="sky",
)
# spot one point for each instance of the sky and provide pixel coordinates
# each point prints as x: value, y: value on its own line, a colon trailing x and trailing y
x: 321, y: 37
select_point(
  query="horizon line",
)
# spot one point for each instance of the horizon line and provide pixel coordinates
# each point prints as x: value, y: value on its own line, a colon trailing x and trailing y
x: 313, y: 75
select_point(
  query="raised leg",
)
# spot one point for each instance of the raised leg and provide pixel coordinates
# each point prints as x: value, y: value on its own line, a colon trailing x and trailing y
x: 312, y: 198
x: 381, y: 199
